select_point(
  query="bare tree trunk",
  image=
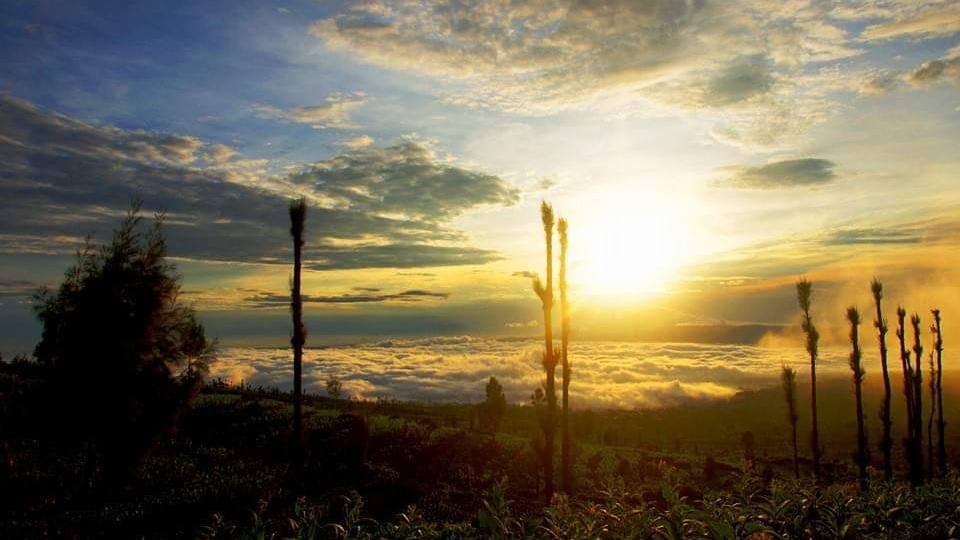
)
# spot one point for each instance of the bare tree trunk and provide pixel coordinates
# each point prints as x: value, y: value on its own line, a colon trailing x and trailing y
x: 804, y: 290
x: 886, y: 440
x: 549, y: 358
x: 566, y: 457
x: 796, y: 454
x: 298, y: 212
x: 941, y: 426
x: 918, y: 398
x: 932, y: 385
x: 855, y: 366
x: 907, y: 386
x: 788, y: 380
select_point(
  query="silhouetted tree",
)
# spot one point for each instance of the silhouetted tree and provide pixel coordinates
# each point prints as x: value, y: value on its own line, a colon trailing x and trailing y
x: 538, y: 400
x: 566, y: 456
x: 941, y: 425
x: 907, y: 368
x: 298, y: 215
x: 334, y: 388
x: 495, y: 405
x: 912, y: 391
x: 886, y: 440
x: 932, y: 385
x: 917, y: 469
x: 804, y: 292
x: 853, y: 316
x: 545, y: 292
x: 788, y: 380
x: 125, y: 355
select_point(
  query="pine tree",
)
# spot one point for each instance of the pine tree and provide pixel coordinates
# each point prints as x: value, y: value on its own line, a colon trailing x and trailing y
x: 124, y: 354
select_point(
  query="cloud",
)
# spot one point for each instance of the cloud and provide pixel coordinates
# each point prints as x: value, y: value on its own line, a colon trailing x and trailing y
x: 880, y: 83
x: 877, y: 236
x: 741, y: 80
x: 532, y: 323
x: 781, y: 174
x: 334, y: 113
x: 357, y: 142
x: 933, y: 71
x: 626, y: 55
x: 265, y: 299
x: 220, y: 153
x: 454, y: 368
x: 388, y: 207
x: 938, y: 21
x: 406, y: 180
x: 524, y: 274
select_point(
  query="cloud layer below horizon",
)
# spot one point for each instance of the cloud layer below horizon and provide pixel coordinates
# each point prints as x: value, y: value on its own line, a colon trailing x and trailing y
x: 454, y: 369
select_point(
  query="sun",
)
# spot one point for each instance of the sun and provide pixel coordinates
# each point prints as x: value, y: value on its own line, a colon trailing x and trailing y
x: 628, y: 253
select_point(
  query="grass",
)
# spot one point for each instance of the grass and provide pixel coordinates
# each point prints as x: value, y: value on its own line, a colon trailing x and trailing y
x: 638, y: 474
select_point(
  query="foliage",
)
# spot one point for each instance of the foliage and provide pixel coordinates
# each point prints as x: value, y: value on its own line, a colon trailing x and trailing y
x: 786, y: 510
x: 334, y: 388
x: 124, y: 354
x: 492, y: 409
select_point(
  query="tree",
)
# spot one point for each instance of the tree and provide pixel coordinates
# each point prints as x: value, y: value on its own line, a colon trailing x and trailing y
x: 932, y: 384
x: 566, y: 457
x: 941, y: 425
x: 545, y: 292
x: 804, y: 291
x: 788, y: 380
x: 916, y: 470
x: 298, y: 215
x: 334, y: 388
x: 886, y: 440
x: 124, y: 354
x: 856, y: 366
x: 913, y: 394
x: 494, y: 406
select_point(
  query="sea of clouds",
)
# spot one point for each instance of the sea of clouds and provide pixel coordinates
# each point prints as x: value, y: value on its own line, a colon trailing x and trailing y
x: 455, y: 369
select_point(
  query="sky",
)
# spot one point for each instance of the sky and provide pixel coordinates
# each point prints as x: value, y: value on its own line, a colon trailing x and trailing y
x: 706, y: 154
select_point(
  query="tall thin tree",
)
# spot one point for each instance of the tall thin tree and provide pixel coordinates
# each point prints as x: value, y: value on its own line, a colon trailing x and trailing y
x: 566, y: 456
x: 804, y: 292
x: 941, y: 426
x: 932, y: 385
x: 908, y: 376
x: 853, y: 316
x: 886, y: 440
x: 545, y: 292
x: 298, y: 215
x: 788, y: 379
x: 918, y: 399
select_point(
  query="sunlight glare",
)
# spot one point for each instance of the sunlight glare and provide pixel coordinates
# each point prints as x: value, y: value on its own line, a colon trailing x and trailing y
x: 628, y: 253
